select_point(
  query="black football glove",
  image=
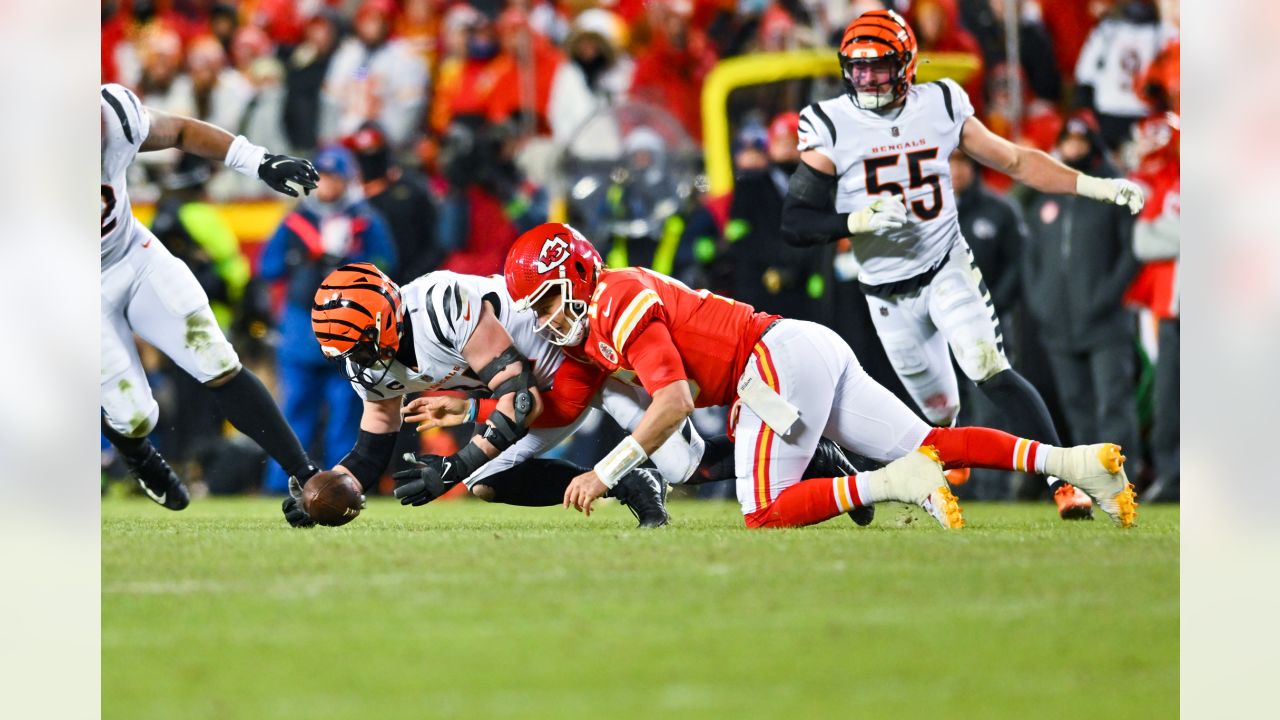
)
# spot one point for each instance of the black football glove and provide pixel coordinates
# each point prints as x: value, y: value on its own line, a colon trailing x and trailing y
x: 278, y: 171
x: 430, y: 477
x: 294, y: 513
x: 292, y: 507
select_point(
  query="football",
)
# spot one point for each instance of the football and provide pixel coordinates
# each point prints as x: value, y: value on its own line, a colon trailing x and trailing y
x: 333, y: 498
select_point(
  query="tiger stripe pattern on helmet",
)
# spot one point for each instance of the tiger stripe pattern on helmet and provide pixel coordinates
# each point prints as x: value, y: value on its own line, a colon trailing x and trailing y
x: 355, y: 307
x: 875, y: 35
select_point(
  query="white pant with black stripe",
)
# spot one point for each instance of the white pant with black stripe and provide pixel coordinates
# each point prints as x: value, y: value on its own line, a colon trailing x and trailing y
x: 955, y: 309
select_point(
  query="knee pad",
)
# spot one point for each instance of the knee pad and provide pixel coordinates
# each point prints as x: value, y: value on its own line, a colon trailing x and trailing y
x: 209, y: 349
x: 980, y: 359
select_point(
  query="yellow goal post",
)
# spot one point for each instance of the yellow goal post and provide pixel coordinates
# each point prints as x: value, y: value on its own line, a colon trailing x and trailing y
x: 764, y: 68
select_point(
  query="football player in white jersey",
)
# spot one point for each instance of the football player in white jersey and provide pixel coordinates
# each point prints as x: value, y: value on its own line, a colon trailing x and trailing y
x: 874, y: 168
x: 148, y: 292
x: 447, y: 331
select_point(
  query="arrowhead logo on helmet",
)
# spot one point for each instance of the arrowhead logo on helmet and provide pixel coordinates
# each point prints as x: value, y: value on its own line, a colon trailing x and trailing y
x: 554, y: 260
x: 554, y: 252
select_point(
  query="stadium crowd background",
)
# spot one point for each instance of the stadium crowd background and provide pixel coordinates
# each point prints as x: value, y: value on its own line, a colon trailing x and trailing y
x: 443, y: 129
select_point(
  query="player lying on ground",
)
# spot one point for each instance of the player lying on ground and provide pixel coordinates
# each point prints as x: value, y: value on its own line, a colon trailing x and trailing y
x: 874, y: 167
x: 148, y: 292
x: 795, y: 383
x: 578, y: 385
x: 463, y: 334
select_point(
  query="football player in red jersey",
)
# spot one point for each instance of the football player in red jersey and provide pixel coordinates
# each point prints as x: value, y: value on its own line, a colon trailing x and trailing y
x: 792, y: 382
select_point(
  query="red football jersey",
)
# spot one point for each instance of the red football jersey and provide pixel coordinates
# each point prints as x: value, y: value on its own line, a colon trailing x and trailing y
x: 659, y: 330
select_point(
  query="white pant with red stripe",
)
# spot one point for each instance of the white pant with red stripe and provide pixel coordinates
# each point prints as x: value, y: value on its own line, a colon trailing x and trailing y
x: 815, y: 370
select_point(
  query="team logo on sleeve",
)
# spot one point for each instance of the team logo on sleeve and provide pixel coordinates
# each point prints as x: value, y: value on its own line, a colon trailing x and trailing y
x: 555, y: 251
x: 608, y: 353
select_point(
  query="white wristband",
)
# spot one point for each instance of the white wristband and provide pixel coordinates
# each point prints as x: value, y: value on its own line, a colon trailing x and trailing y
x: 244, y: 157
x: 1095, y: 188
x: 624, y: 458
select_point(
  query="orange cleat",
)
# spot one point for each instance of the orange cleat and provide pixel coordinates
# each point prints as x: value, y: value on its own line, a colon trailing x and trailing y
x: 1073, y: 503
x: 958, y: 476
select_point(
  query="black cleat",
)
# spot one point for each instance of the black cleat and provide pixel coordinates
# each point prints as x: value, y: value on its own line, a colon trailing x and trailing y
x: 829, y: 460
x: 159, y: 481
x: 645, y: 494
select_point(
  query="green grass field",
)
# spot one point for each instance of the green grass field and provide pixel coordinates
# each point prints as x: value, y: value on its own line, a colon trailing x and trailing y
x: 467, y: 610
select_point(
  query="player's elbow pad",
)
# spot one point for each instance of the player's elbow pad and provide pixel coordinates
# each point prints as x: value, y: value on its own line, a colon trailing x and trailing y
x: 808, y: 216
x: 502, y: 431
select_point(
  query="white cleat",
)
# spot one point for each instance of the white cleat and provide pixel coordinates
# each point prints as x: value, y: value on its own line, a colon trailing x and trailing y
x: 918, y: 478
x: 1099, y: 471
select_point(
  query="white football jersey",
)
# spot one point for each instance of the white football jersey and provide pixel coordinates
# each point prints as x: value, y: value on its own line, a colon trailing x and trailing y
x: 444, y: 309
x: 124, y: 126
x: 908, y: 155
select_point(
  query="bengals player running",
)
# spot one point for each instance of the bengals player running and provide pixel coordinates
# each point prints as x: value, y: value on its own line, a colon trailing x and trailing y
x: 793, y: 382
x: 874, y: 168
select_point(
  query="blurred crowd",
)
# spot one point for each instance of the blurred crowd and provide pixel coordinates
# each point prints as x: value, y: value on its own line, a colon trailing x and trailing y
x: 443, y: 129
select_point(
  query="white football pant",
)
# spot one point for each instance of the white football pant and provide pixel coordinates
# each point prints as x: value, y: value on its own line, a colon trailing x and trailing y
x: 151, y: 293
x: 954, y: 309
x: 813, y: 369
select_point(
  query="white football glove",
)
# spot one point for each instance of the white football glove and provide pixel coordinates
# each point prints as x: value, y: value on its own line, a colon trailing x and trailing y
x: 884, y: 213
x: 1116, y: 191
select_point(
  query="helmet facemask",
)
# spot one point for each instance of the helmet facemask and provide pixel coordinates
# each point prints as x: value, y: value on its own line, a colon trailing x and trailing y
x: 367, y: 363
x: 573, y: 310
x: 874, y: 83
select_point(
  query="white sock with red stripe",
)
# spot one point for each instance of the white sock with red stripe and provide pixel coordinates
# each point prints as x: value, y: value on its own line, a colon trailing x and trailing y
x: 852, y: 491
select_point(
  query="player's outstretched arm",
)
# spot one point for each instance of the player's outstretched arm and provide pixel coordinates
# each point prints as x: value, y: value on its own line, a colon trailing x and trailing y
x: 1037, y: 169
x: 659, y: 367
x: 282, y: 173
x: 492, y: 355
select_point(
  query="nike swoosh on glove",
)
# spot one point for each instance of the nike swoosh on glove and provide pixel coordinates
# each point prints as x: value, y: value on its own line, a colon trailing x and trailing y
x: 430, y: 477
x: 286, y: 174
x: 884, y: 213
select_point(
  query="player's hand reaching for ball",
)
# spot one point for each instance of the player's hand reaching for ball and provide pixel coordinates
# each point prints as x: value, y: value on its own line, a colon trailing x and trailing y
x: 583, y: 491
x: 439, y: 411
x: 884, y: 213
x: 286, y: 174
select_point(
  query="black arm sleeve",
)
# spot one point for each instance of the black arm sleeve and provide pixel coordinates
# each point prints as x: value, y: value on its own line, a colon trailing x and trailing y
x: 370, y: 456
x: 808, y: 213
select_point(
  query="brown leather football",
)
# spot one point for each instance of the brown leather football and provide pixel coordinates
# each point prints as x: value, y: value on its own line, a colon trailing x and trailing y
x: 332, y: 498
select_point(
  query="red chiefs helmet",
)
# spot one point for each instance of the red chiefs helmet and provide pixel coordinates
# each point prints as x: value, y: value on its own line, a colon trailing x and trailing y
x: 554, y: 256
x: 880, y: 42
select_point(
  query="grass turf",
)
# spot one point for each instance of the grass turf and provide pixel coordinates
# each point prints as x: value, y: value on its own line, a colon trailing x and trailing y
x: 469, y: 610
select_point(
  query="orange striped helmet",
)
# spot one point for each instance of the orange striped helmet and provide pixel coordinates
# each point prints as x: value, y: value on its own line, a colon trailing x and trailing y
x: 878, y: 49
x: 358, y: 319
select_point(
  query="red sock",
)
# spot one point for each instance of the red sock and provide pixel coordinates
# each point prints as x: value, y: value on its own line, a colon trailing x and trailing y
x: 986, y: 448
x: 808, y: 502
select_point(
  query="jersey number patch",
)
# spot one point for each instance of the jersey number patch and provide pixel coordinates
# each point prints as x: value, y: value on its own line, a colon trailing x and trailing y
x: 923, y: 210
x: 108, y: 207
